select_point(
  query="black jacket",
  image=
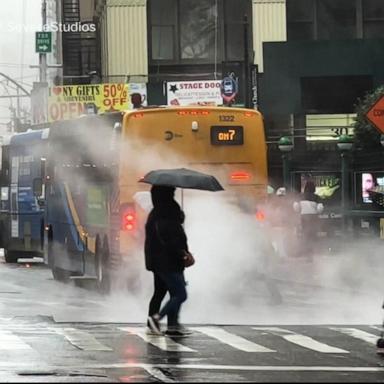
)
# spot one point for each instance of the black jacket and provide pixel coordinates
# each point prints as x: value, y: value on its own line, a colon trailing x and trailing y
x: 165, y: 239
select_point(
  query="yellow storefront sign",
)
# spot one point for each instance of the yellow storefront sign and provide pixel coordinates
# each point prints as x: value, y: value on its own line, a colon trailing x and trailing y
x: 70, y: 101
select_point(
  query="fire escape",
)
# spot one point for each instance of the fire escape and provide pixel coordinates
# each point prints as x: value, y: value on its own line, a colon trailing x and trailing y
x: 79, y: 48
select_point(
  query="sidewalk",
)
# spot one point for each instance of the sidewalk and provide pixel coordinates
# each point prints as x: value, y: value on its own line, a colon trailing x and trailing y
x: 353, y: 270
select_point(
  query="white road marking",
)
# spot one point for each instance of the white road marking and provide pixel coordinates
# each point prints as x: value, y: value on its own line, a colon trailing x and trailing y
x: 162, y: 342
x: 239, y: 367
x: 234, y: 341
x: 358, y: 334
x: 8, y: 341
x: 27, y: 328
x: 80, y: 339
x: 302, y: 340
x: 150, y: 368
x: 156, y: 372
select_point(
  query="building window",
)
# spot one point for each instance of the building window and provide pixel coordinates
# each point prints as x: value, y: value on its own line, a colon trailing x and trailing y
x: 163, y: 29
x: 373, y: 19
x: 336, y: 19
x: 300, y: 19
x: 162, y: 42
x: 198, y: 26
x: 234, y: 12
x: 333, y: 94
x: 201, y: 31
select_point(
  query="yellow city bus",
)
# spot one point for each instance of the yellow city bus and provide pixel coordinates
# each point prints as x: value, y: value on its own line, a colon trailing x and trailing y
x: 94, y: 165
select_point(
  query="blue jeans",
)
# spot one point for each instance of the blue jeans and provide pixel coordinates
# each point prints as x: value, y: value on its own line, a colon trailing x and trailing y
x: 175, y: 283
x: 159, y: 293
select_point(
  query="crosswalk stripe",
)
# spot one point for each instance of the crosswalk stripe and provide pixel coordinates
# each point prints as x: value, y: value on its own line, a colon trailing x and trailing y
x: 82, y: 340
x: 8, y: 341
x: 380, y: 329
x: 302, y: 340
x: 162, y: 342
x: 358, y: 334
x: 234, y: 341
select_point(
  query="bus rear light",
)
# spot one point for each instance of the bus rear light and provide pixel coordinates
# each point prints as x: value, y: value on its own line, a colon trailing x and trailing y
x: 193, y: 113
x: 129, y: 220
x: 260, y: 215
x: 138, y: 115
x: 249, y: 114
x: 129, y: 227
x: 240, y: 175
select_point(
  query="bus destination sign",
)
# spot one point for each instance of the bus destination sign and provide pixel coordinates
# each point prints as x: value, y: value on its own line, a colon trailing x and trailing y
x: 226, y: 135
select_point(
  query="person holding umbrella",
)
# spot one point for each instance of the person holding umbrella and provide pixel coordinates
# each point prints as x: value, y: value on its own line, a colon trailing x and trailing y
x: 165, y: 248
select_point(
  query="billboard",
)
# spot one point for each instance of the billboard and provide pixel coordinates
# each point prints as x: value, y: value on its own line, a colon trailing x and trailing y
x: 370, y: 187
x: 70, y: 101
x: 327, y: 184
x: 204, y: 92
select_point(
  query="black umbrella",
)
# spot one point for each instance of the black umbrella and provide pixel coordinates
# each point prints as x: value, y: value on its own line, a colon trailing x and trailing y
x: 182, y: 178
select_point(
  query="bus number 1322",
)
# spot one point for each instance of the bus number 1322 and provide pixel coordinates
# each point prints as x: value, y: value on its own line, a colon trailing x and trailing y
x: 226, y: 118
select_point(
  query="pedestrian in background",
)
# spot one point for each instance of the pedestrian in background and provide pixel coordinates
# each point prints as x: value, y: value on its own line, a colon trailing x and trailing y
x: 309, y: 208
x: 165, y: 249
x: 280, y: 221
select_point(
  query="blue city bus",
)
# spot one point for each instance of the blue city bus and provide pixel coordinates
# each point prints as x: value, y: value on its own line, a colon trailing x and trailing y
x: 80, y: 168
x: 22, y: 194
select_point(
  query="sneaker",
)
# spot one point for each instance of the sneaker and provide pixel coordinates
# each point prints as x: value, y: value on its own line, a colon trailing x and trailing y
x: 178, y: 331
x: 149, y: 332
x: 154, y: 325
x: 174, y: 333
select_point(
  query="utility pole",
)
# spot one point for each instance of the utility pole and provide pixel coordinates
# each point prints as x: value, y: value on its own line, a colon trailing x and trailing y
x: 247, y: 101
x: 43, y: 56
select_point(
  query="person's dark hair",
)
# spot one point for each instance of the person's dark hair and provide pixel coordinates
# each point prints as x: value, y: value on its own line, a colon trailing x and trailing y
x: 136, y: 100
x: 164, y: 203
x: 162, y: 194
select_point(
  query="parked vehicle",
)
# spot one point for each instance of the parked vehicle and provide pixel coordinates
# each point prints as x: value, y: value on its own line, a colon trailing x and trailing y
x: 22, y: 194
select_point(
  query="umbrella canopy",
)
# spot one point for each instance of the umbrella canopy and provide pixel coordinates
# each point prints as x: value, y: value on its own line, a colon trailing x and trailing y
x: 182, y: 178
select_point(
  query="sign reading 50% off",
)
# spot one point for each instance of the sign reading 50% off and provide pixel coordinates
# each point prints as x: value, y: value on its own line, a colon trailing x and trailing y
x: 115, y: 97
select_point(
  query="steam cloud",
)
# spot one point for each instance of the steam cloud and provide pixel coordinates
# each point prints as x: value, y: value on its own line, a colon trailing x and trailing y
x: 237, y: 271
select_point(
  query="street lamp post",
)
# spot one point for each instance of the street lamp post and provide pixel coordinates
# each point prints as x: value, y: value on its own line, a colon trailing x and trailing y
x: 286, y: 145
x: 345, y: 144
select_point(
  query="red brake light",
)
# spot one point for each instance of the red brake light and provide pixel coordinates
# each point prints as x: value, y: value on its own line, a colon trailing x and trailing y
x: 249, y: 114
x: 129, y: 221
x: 138, y: 115
x: 240, y: 175
x: 260, y: 215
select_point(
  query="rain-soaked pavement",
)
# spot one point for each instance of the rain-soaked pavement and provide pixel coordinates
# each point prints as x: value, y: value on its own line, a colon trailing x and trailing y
x: 322, y: 327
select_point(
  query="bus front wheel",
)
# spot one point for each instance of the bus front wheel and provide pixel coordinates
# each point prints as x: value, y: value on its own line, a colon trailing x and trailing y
x: 60, y: 274
x: 10, y: 256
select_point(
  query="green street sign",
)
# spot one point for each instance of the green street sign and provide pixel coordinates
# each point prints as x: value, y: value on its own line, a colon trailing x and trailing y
x: 43, y: 42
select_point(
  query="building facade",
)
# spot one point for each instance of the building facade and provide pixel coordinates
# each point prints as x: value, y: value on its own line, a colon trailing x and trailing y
x: 315, y: 58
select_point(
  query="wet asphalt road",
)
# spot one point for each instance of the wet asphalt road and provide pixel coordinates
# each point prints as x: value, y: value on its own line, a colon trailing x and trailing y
x: 52, y: 332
